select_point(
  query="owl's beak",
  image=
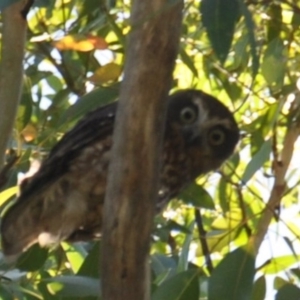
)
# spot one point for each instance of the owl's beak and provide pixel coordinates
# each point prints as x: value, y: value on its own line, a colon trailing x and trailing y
x: 192, y: 135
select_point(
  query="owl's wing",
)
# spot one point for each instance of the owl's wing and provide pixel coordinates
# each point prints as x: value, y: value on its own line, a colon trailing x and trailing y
x: 95, y: 126
x: 42, y: 205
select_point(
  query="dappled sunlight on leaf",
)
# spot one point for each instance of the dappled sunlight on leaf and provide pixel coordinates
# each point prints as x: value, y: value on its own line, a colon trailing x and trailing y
x: 105, y: 74
x: 7, y: 194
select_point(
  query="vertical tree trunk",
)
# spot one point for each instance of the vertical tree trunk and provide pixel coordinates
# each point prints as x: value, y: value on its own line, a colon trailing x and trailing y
x: 11, y: 69
x: 135, y: 161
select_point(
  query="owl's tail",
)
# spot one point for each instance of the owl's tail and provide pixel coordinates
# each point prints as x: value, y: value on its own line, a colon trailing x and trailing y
x: 38, y: 219
x: 20, y: 228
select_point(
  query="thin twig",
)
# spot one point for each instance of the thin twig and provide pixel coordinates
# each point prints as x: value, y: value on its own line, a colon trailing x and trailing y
x: 203, y: 241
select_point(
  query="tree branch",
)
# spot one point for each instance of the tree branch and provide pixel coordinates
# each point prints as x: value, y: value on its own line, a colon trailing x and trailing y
x: 9, y: 164
x: 135, y: 161
x: 11, y: 69
x: 203, y: 240
x: 280, y: 169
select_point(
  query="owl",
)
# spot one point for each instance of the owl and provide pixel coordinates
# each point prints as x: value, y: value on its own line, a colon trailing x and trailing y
x: 64, y: 199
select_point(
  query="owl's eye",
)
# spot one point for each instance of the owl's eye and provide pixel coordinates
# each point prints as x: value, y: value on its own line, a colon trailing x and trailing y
x: 216, y: 137
x: 188, y: 115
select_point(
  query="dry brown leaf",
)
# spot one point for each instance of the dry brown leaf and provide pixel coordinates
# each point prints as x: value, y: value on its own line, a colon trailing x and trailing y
x: 81, y: 43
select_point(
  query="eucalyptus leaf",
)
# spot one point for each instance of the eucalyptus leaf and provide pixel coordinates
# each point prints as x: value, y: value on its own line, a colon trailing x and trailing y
x: 73, y: 286
x: 257, y: 161
x: 288, y: 291
x: 219, y: 17
x: 238, y: 267
x: 197, y: 196
x: 183, y: 286
x: 88, y: 102
x: 259, y: 289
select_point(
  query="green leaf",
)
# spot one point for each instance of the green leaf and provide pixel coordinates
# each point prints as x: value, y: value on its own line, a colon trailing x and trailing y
x: 172, y: 225
x: 274, y: 64
x: 219, y: 17
x: 188, y: 61
x: 197, y: 196
x: 233, y: 278
x: 241, y: 55
x: 54, y: 82
x: 288, y: 292
x: 183, y: 258
x: 263, y: 125
x: 280, y: 263
x: 33, y: 259
x: 161, y: 263
x: 257, y: 161
x: 88, y: 102
x: 73, y: 286
x: 163, y: 267
x: 231, y: 88
x: 183, y: 286
x: 268, y: 120
x: 259, y: 289
x: 75, y: 254
x: 25, y: 108
x: 279, y: 282
x: 5, y: 294
x: 296, y: 20
x: 251, y: 35
x: 290, y: 244
x: 296, y: 272
x: 223, y: 189
x: 90, y: 266
x: 27, y: 293
x: 274, y: 21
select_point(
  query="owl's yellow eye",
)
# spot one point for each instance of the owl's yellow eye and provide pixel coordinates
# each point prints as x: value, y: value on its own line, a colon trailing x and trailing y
x: 216, y: 137
x: 188, y: 115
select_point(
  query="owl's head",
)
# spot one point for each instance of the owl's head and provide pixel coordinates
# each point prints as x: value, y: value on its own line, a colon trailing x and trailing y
x: 208, y: 129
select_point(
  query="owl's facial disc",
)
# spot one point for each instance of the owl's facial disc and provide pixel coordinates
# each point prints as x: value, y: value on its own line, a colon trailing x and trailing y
x: 210, y: 132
